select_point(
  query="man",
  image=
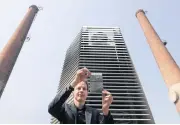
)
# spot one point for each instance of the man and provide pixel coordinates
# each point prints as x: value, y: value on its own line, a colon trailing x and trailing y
x: 78, y: 112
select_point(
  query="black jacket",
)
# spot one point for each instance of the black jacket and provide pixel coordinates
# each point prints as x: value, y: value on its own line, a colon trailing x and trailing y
x: 67, y: 113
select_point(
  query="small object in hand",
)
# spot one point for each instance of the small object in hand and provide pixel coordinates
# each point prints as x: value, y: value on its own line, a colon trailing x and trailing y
x: 96, y: 82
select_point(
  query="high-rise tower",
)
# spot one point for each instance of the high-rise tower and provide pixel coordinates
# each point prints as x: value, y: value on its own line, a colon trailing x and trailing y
x: 104, y: 52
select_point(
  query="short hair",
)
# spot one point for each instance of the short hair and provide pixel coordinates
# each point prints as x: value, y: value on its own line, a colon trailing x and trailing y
x: 86, y: 82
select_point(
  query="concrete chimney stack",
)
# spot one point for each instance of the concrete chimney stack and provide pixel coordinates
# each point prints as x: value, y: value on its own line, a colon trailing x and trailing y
x: 12, y: 49
x: 168, y: 67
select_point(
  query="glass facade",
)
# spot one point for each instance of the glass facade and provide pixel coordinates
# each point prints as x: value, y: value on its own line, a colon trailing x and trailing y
x: 103, y: 51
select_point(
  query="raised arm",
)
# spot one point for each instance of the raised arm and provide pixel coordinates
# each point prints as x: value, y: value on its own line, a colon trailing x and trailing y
x: 106, y: 102
x: 57, y: 106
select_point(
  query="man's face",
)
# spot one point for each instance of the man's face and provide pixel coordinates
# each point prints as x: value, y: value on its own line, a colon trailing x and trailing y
x: 80, y: 92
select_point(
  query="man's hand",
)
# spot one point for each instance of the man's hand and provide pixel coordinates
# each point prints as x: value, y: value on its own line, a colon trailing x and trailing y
x: 81, y: 75
x: 106, y: 101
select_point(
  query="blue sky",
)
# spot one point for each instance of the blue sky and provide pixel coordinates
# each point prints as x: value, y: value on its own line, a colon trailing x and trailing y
x: 34, y: 79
